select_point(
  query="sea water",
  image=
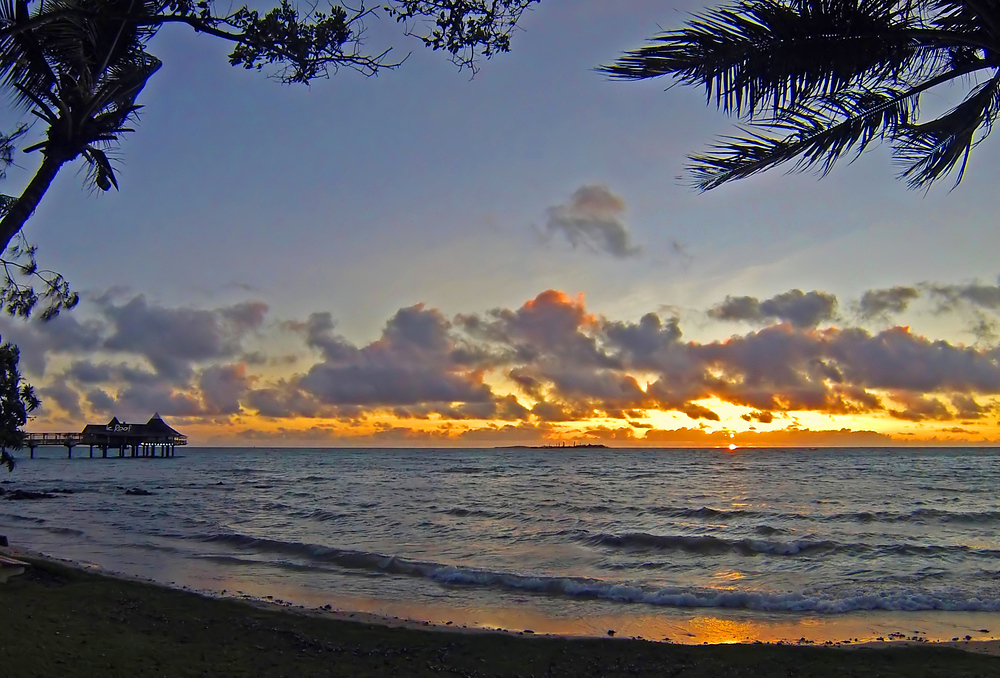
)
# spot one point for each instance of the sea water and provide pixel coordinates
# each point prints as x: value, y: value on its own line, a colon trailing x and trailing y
x: 689, y: 544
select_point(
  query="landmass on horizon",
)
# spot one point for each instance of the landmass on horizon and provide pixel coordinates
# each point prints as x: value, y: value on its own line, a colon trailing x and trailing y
x: 574, y: 446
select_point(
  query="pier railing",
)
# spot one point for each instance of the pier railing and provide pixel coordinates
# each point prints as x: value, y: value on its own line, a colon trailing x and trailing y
x: 63, y: 439
x: 73, y: 439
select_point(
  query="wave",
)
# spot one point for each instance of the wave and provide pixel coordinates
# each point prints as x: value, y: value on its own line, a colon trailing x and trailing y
x: 68, y: 531
x: 709, y: 545
x: 623, y: 592
x: 473, y: 513
x: 706, y: 512
x: 920, y: 515
x: 321, y: 515
x: 28, y: 519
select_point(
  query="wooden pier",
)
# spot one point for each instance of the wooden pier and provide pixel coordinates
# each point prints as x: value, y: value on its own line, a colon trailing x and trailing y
x: 152, y: 439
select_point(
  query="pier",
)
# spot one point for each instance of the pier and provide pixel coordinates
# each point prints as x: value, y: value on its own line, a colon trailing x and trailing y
x: 152, y: 439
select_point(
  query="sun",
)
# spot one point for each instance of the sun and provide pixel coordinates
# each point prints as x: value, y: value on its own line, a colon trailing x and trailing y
x: 732, y: 446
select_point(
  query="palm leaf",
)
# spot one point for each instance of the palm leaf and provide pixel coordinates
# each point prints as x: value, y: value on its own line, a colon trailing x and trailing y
x: 934, y: 149
x: 818, y: 135
x: 811, y: 137
x: 776, y: 54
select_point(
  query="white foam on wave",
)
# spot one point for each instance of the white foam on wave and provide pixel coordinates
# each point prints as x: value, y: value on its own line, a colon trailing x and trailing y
x: 820, y: 602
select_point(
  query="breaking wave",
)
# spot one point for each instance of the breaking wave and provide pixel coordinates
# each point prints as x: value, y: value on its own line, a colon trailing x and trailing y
x: 623, y: 592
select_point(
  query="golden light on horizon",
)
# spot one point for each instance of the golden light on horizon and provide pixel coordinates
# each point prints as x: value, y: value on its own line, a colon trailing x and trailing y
x: 732, y: 447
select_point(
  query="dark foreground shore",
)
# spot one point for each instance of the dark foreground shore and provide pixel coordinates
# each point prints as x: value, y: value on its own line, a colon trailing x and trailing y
x: 61, y: 621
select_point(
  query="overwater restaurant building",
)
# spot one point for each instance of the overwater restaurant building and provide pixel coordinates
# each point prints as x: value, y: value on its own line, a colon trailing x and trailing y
x: 141, y: 439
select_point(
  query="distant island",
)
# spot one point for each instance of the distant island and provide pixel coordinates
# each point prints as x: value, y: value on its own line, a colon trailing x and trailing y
x: 574, y: 446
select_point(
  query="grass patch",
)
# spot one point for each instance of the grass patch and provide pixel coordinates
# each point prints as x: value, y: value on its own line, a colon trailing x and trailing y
x: 58, y: 621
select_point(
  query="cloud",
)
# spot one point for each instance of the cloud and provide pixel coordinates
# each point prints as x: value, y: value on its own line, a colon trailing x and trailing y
x: 882, y: 303
x: 39, y: 341
x: 920, y: 408
x: 65, y: 396
x: 416, y: 360
x: 967, y: 408
x: 593, y: 218
x: 100, y: 401
x: 795, y: 306
x: 986, y: 297
x: 173, y: 339
x: 222, y: 387
x: 547, y: 362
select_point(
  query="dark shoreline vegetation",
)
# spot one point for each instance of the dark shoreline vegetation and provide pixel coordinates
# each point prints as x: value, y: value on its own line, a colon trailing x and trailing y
x: 61, y: 621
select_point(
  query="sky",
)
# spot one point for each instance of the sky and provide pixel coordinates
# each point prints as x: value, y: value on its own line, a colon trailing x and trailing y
x: 426, y: 258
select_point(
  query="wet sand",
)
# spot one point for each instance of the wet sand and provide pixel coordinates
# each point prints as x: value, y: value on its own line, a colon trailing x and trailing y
x: 852, y: 632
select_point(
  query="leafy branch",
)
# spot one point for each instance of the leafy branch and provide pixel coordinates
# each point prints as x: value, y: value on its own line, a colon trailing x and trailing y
x: 18, y: 296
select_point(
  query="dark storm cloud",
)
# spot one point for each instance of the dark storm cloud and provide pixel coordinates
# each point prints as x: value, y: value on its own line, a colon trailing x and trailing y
x: 920, y: 408
x: 696, y: 411
x: 799, y: 308
x: 897, y: 359
x: 222, y: 387
x: 986, y: 297
x: 966, y: 407
x: 87, y: 372
x: 173, y: 339
x: 284, y: 400
x: 412, y: 362
x: 563, y: 362
x: 505, y: 408
x: 552, y: 328
x: 883, y: 303
x: 137, y: 401
x: 100, y: 400
x: 65, y: 396
x: 576, y: 364
x: 40, y: 340
x: 644, y: 339
x: 319, y: 334
x: 762, y: 417
x: 593, y: 218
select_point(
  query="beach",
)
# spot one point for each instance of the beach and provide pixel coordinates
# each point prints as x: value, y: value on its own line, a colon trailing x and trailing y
x: 61, y: 619
x: 685, y: 548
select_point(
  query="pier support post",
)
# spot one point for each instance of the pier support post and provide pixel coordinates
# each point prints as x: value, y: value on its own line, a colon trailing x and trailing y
x: 31, y: 451
x: 69, y: 451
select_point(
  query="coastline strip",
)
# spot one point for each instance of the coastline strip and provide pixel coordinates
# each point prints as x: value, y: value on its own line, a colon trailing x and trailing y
x: 59, y: 618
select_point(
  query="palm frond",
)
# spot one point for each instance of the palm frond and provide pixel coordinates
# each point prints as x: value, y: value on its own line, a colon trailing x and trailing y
x: 100, y: 172
x: 934, y: 149
x: 970, y: 17
x: 22, y: 55
x: 817, y: 135
x: 775, y: 54
x: 812, y: 138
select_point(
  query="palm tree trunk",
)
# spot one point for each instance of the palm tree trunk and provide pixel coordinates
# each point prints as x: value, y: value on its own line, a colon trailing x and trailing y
x: 25, y: 205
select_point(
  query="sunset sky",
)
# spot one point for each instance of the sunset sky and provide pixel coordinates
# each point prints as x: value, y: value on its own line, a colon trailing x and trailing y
x: 427, y: 259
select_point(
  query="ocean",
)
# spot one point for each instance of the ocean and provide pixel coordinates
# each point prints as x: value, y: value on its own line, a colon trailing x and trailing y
x: 690, y: 545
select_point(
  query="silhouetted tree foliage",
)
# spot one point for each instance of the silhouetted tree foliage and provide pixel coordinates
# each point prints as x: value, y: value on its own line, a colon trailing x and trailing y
x: 80, y: 65
x: 816, y: 80
x: 17, y: 399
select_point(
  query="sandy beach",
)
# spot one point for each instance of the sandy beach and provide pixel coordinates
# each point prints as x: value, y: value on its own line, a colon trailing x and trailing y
x: 73, y: 620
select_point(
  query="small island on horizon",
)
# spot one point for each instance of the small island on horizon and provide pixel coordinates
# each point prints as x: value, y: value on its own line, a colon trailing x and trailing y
x: 574, y: 446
